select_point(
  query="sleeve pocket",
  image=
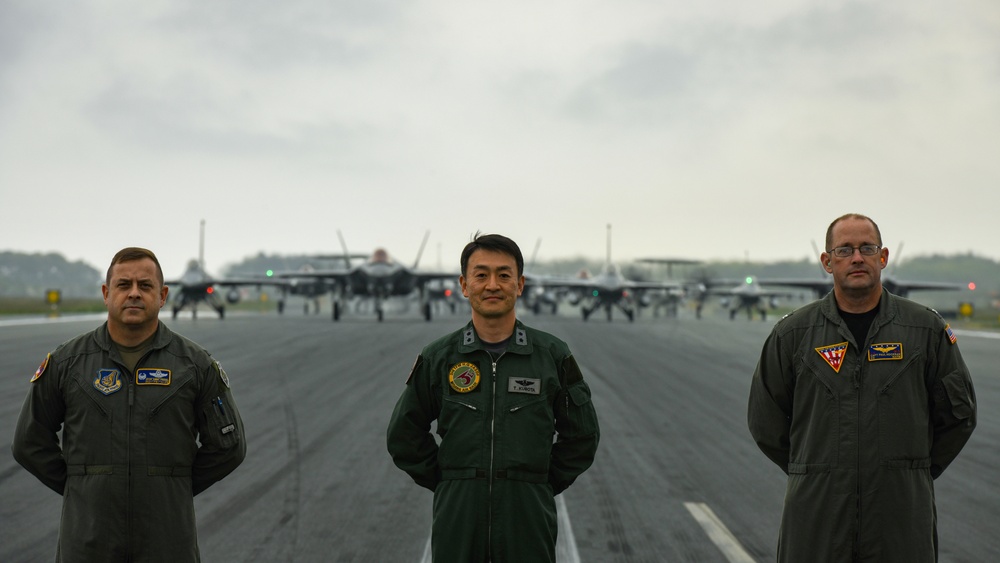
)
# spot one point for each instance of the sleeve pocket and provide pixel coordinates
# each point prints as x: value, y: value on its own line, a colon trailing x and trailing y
x: 958, y: 399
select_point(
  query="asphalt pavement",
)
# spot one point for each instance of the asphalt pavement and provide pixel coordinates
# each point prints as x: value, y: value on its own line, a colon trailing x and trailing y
x: 677, y: 476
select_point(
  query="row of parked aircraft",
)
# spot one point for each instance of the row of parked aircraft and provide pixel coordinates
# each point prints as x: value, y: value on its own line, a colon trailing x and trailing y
x: 378, y: 278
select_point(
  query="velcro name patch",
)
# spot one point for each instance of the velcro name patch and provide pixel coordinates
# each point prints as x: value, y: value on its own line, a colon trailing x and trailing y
x: 885, y: 351
x: 152, y: 376
x: 524, y: 385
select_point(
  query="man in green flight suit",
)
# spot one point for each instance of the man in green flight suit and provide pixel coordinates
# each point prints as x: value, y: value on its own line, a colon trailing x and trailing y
x: 862, y: 398
x: 499, y: 391
x: 147, y: 420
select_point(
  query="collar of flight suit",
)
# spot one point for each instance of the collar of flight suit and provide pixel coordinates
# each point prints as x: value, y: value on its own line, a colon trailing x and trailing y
x: 888, y: 308
x: 161, y: 338
x: 519, y: 342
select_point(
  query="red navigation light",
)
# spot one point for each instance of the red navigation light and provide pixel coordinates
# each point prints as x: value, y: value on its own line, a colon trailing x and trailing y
x: 210, y: 290
x: 972, y: 286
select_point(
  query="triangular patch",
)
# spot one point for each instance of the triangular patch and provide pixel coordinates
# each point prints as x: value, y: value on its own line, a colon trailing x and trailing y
x: 833, y: 354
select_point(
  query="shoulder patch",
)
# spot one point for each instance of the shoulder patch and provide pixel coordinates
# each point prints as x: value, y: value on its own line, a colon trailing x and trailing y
x: 413, y: 369
x: 41, y: 368
x: 222, y: 374
x: 950, y: 333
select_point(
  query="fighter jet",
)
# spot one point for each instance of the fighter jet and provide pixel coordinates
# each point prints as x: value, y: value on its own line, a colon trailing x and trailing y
x: 609, y: 289
x: 378, y: 279
x: 310, y: 289
x: 196, y: 286
x: 749, y: 295
x: 670, y: 300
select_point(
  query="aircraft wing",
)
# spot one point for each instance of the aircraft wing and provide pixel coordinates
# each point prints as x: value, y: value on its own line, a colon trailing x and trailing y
x: 226, y: 282
x: 819, y: 286
x: 654, y: 285
x: 338, y: 274
x: 424, y: 277
x: 903, y: 288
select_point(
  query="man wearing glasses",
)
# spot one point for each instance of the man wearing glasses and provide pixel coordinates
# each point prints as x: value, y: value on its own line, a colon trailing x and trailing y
x: 862, y: 398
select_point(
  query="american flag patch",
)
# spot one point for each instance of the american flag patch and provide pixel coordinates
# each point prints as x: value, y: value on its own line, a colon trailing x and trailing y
x: 951, y: 334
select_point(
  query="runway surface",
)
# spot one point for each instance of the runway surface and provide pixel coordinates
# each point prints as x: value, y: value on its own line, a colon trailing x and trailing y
x: 677, y: 476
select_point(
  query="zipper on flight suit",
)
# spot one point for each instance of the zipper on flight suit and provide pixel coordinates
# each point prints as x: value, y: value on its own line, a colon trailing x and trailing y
x: 856, y: 555
x: 128, y: 466
x: 128, y: 452
x: 493, y: 420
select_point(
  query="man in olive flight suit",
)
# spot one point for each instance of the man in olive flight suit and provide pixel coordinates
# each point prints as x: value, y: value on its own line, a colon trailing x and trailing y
x: 862, y: 398
x: 147, y: 419
x: 499, y: 391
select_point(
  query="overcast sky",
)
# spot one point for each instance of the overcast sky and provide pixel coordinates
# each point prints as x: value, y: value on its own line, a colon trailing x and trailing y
x: 713, y: 130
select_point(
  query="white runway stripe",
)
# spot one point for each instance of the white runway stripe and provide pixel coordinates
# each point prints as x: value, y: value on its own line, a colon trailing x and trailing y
x: 566, y: 543
x: 718, y: 533
x: 566, y: 551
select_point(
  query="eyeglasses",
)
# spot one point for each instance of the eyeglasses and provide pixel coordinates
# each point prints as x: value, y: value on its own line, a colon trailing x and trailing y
x: 848, y: 251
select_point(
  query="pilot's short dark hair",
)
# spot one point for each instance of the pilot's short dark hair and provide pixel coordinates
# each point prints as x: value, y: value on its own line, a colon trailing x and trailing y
x: 829, y: 230
x: 131, y: 254
x: 496, y: 243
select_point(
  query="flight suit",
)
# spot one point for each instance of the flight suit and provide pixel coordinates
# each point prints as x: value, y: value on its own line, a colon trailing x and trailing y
x: 136, y: 447
x: 497, y: 469
x: 861, y: 429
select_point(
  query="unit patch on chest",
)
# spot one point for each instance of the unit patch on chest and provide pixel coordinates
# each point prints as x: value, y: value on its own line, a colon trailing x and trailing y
x: 108, y: 381
x: 463, y: 377
x: 152, y: 376
x: 833, y: 354
x: 885, y: 351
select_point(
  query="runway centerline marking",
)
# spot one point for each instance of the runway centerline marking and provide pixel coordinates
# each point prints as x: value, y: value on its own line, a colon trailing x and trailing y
x: 566, y: 551
x: 979, y: 333
x: 718, y: 533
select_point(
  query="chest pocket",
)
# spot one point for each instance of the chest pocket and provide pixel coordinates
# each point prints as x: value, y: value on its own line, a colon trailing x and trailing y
x: 90, y: 421
x: 529, y: 426
x: 816, y: 411
x: 462, y: 428
x: 169, y: 415
x: 903, y: 406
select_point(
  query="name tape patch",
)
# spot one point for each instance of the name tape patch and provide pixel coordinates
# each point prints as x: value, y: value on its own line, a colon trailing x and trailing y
x: 885, y: 351
x: 152, y: 376
x: 524, y: 385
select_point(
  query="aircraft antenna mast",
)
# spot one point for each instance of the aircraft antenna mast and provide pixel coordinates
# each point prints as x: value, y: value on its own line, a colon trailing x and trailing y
x: 201, y: 246
x: 420, y: 252
x: 343, y: 244
x: 609, y: 243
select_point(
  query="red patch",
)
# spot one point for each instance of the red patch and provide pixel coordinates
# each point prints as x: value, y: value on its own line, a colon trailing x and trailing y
x: 41, y: 368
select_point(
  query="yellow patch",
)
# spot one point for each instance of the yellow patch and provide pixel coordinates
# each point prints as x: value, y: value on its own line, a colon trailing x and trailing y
x: 463, y: 377
x: 885, y: 351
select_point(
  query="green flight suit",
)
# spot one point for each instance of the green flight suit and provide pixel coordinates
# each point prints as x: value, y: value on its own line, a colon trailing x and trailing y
x: 130, y: 461
x: 497, y: 468
x: 861, y: 431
